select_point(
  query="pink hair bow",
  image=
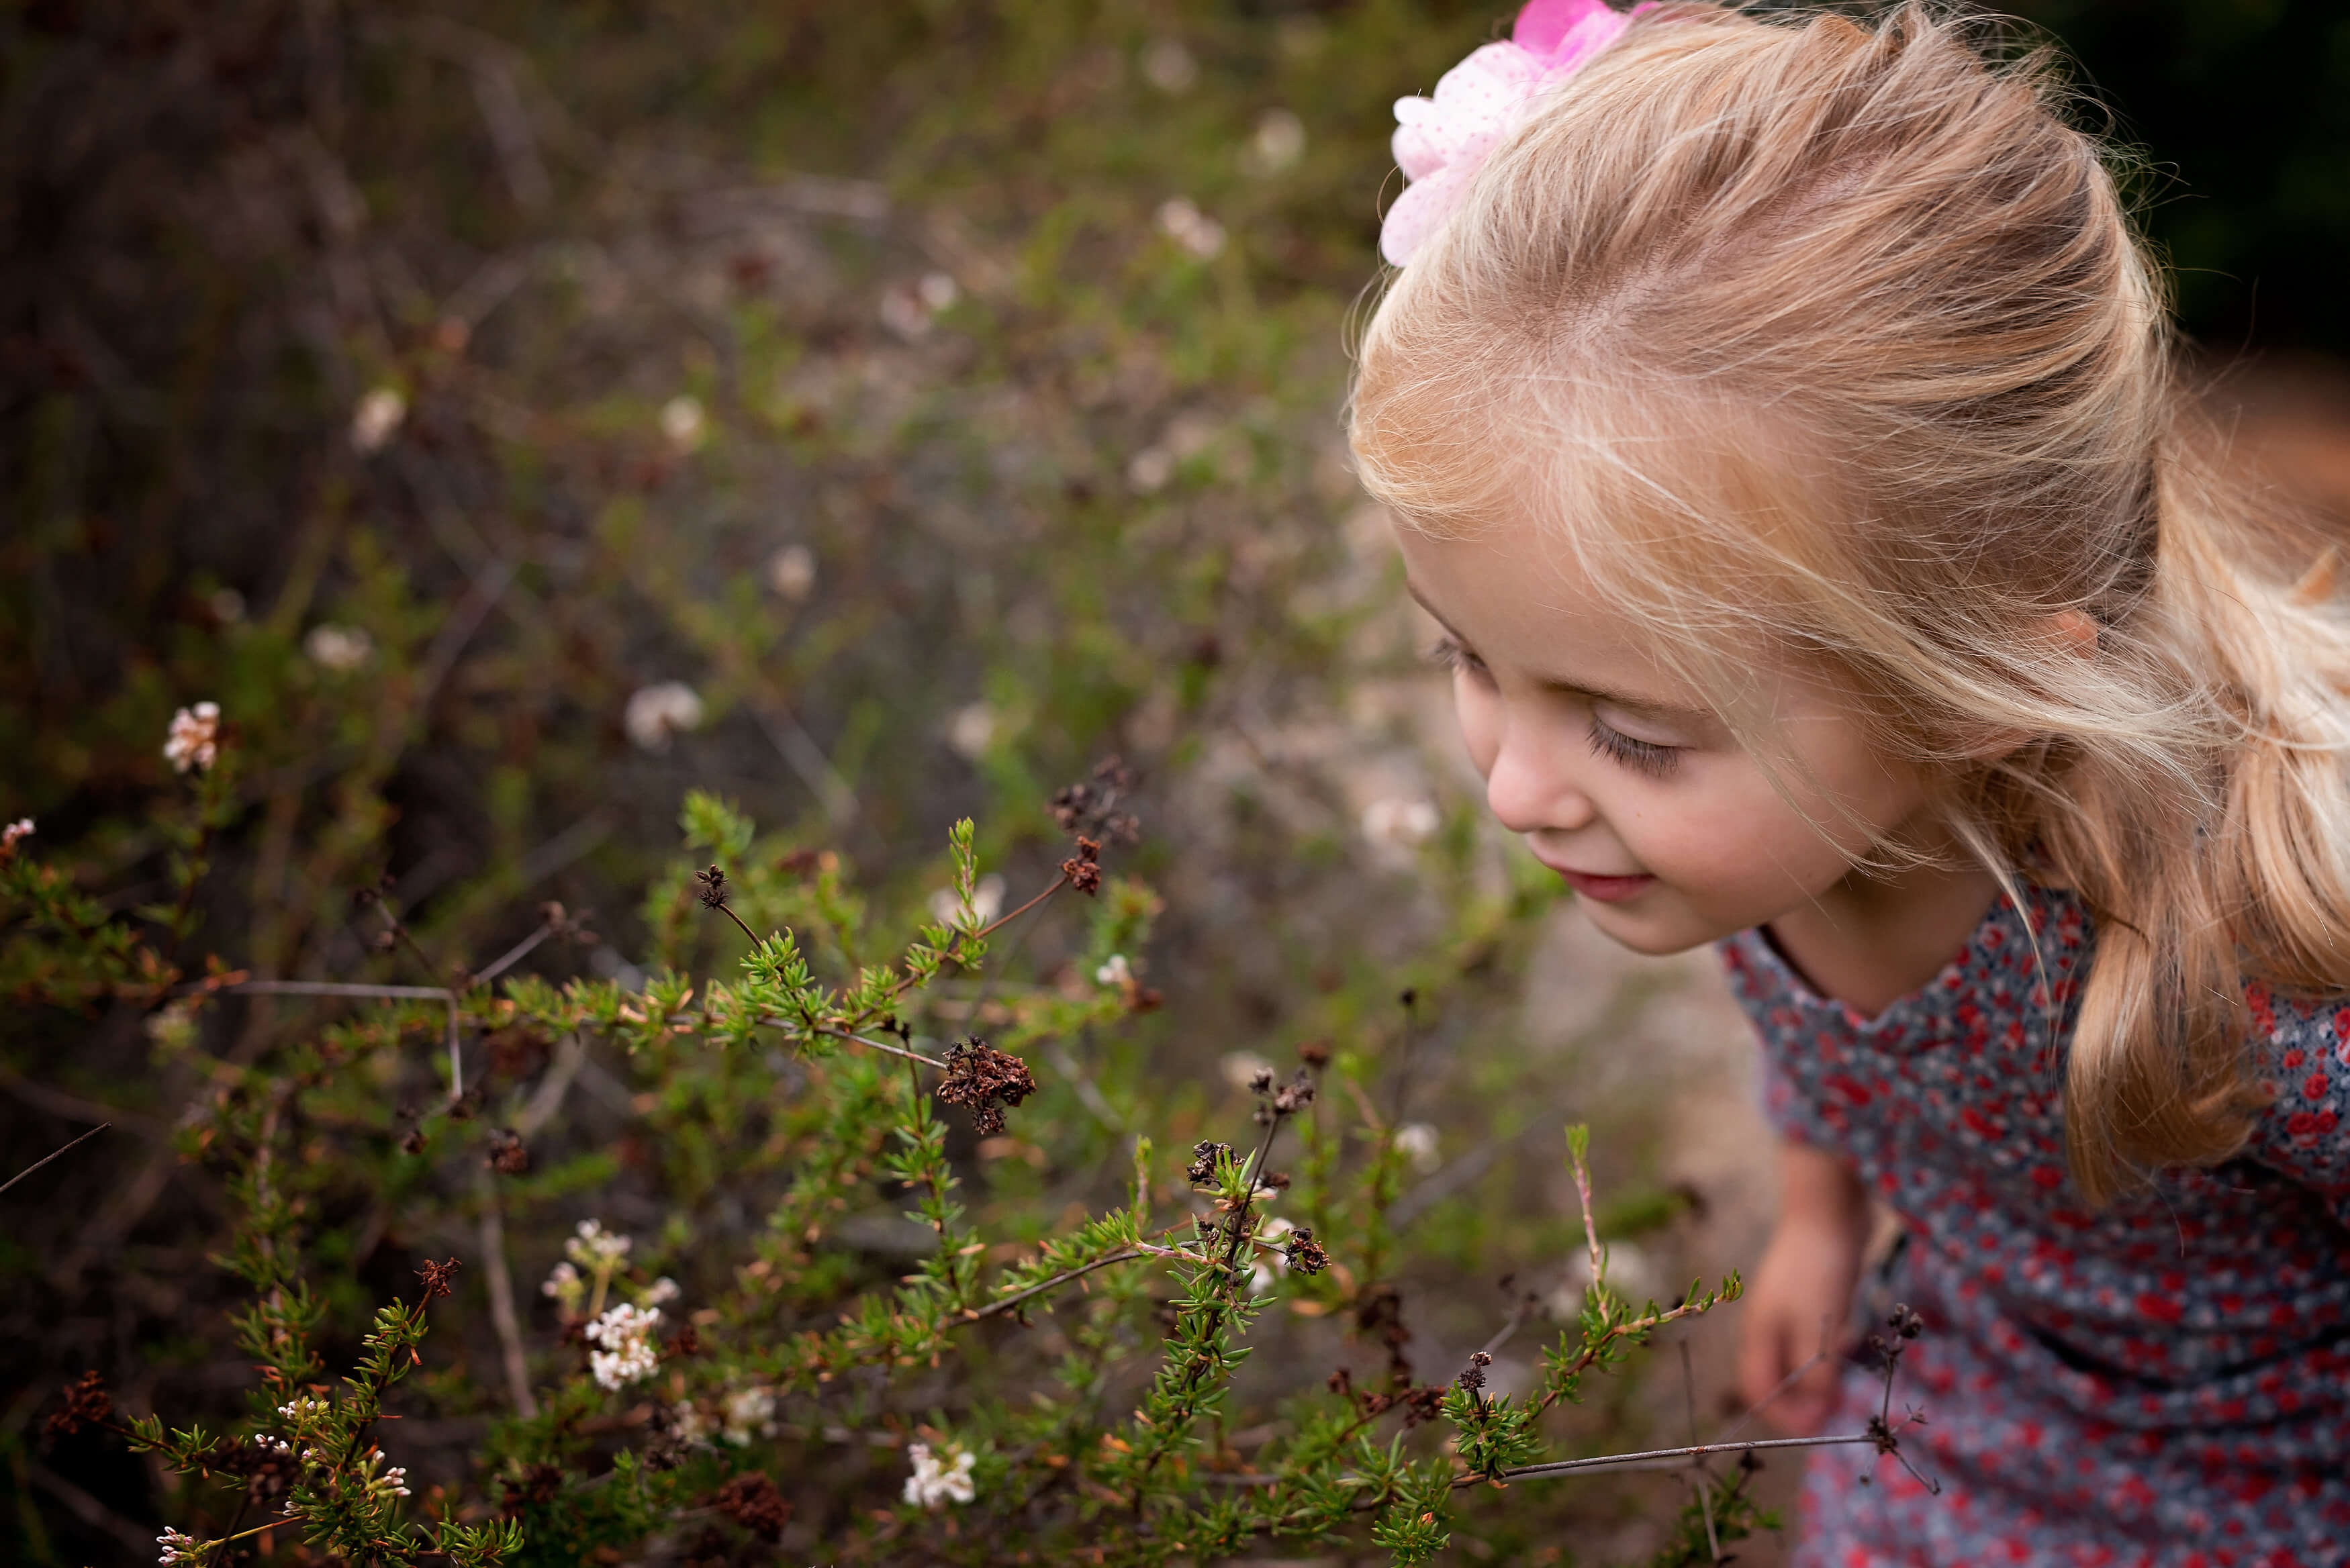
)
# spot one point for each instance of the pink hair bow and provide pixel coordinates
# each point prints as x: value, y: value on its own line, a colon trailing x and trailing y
x: 1442, y: 141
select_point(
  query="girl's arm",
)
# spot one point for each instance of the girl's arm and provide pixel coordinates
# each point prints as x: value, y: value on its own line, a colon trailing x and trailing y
x: 1796, y: 1313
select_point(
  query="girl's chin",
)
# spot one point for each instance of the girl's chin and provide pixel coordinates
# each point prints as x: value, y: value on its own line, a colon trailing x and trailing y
x: 1655, y: 928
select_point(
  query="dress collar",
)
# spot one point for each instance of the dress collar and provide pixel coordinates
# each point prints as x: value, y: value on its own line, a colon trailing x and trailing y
x: 1996, y: 968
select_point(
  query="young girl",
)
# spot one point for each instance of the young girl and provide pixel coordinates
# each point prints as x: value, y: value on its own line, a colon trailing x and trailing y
x: 1778, y: 418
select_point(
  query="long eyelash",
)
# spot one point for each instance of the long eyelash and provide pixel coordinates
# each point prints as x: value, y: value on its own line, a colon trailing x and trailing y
x: 1447, y: 654
x: 1640, y: 756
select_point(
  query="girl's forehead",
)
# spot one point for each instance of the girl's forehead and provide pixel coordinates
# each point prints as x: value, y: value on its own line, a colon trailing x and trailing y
x: 1512, y: 598
x: 1521, y: 599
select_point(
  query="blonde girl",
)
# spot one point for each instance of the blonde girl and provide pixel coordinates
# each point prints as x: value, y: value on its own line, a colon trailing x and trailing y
x: 1780, y: 420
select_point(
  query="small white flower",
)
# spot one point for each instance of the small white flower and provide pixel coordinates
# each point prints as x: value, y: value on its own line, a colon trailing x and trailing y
x: 748, y: 1413
x: 902, y: 313
x: 180, y: 1548
x: 1147, y: 471
x: 377, y: 418
x: 1278, y: 143
x: 1117, y: 972
x: 1399, y: 821
x: 657, y: 712
x: 933, y: 1482
x: 1416, y: 1141
x: 986, y: 901
x: 1241, y: 1067
x: 593, y: 1247
x: 194, y: 741
x: 1168, y: 65
x: 684, y: 423
x: 1181, y: 220
x: 393, y: 1482
x: 791, y: 572
x: 339, y: 647
x: 907, y: 310
x: 687, y: 1423
x: 662, y: 1292
x: 227, y: 605
x: 971, y: 729
x: 629, y: 1355
x: 564, y: 1287
x: 173, y: 1025
x: 16, y: 832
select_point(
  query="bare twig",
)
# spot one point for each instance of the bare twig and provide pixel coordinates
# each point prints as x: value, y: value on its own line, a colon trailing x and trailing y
x: 44, y: 1159
x: 1590, y: 1225
x: 514, y: 954
x: 1650, y: 1455
x: 1698, y: 1477
x: 1001, y: 921
x: 440, y: 993
x: 508, y: 1321
x: 876, y: 1045
x: 90, y: 1510
x: 799, y: 750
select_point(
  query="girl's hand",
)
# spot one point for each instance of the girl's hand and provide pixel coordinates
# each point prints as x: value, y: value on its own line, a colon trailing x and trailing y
x: 1798, y: 1311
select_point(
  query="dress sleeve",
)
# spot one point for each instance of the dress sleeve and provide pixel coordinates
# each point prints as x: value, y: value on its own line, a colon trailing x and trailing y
x: 2301, y: 1058
x: 1791, y: 1113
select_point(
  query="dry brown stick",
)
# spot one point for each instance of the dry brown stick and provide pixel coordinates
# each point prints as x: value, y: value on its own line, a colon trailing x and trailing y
x: 878, y: 1045
x: 440, y: 993
x: 1701, y: 1481
x: 44, y: 1159
x: 972, y: 1315
x: 1650, y: 1455
x: 88, y: 1510
x: 503, y: 1316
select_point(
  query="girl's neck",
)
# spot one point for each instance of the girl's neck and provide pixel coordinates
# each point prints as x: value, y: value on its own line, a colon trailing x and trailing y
x: 1870, y: 941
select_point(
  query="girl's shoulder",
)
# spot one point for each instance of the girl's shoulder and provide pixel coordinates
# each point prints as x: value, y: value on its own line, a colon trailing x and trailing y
x: 2298, y: 1064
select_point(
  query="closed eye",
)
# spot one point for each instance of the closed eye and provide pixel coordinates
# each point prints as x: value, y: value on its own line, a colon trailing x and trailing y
x: 1641, y: 756
x: 1446, y: 653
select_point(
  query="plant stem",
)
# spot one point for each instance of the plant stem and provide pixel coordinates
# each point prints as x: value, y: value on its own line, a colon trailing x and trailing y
x: 44, y: 1159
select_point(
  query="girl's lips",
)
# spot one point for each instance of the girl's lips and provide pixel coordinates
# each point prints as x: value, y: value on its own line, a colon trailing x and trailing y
x: 1607, y: 889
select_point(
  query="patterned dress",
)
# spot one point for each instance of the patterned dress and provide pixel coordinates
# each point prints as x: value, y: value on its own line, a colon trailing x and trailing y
x: 2166, y: 1382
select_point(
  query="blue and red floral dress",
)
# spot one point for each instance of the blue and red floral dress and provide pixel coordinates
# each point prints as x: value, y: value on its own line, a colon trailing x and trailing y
x: 2165, y: 1382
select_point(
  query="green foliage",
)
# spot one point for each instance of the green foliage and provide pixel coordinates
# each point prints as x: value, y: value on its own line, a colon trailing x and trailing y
x: 1147, y: 1485
x: 691, y: 412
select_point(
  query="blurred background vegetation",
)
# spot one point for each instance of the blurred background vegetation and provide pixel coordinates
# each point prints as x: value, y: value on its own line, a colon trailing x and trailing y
x: 516, y: 416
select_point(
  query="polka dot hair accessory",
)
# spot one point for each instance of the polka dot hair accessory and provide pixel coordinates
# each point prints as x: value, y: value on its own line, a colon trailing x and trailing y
x: 1442, y: 141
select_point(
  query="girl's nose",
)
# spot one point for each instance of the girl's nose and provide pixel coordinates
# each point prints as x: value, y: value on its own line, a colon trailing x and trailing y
x: 1529, y: 788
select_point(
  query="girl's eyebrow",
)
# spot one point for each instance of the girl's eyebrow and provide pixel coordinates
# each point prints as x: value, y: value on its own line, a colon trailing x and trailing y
x: 1625, y: 700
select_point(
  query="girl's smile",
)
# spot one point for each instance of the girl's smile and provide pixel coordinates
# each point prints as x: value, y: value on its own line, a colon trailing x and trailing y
x: 1607, y: 889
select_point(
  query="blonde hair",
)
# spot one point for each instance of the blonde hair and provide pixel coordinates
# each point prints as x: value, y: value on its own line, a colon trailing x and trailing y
x: 1890, y: 264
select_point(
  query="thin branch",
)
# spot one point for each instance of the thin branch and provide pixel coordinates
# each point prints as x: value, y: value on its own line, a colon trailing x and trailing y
x: 1516, y: 1320
x: 1614, y: 1462
x: 88, y: 1510
x: 1590, y: 1225
x: 514, y: 954
x: 1003, y: 920
x: 508, y: 1321
x: 1703, y: 1482
x: 722, y: 907
x: 44, y: 1159
x: 440, y: 993
x: 876, y: 1045
x: 1767, y: 1400
x: 1145, y: 1249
